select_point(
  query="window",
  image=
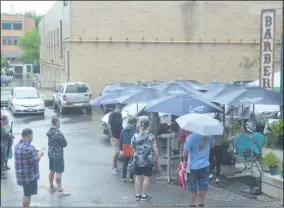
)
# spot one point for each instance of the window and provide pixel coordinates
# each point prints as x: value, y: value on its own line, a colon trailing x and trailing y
x: 57, y: 36
x: 26, y: 94
x: 6, y: 25
x: 77, y: 88
x: 16, y: 40
x: 29, y: 68
x: 7, y: 40
x: 61, y: 49
x: 17, y: 26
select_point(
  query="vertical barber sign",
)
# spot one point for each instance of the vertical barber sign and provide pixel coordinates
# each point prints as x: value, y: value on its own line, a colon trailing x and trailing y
x: 267, y: 48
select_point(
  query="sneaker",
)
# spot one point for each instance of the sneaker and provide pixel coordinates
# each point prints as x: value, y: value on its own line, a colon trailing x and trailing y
x: 118, y: 169
x: 114, y: 171
x: 63, y: 193
x: 211, y: 176
x: 145, y: 197
x: 6, y: 168
x: 200, y: 205
x: 131, y: 180
x: 123, y: 180
x: 53, y: 189
x: 217, y: 180
x: 138, y: 197
x: 3, y: 177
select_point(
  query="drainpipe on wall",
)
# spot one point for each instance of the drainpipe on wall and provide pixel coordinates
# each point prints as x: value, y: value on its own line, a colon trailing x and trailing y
x: 281, y: 74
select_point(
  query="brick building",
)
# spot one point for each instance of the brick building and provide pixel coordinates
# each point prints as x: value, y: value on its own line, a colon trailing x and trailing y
x: 102, y: 41
x: 13, y: 27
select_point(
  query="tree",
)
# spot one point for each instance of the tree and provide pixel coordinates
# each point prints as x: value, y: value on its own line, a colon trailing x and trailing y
x: 35, y: 16
x: 30, y: 46
x: 4, y: 62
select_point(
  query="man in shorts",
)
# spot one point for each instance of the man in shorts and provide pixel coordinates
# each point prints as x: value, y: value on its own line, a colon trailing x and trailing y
x: 56, y: 143
x: 114, y: 128
x: 27, y: 165
x: 197, y: 150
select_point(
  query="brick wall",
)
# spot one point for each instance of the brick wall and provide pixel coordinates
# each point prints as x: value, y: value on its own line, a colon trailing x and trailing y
x: 99, y: 63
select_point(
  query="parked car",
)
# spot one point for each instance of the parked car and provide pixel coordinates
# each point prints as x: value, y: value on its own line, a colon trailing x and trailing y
x: 262, y: 113
x: 110, y: 87
x: 5, y: 80
x: 131, y: 110
x: 25, y: 100
x: 72, y: 95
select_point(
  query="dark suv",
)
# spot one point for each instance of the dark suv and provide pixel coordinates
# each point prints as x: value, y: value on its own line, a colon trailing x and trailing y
x: 110, y: 87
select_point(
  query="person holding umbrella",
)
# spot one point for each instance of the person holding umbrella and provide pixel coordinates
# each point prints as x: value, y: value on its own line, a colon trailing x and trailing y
x: 197, y: 149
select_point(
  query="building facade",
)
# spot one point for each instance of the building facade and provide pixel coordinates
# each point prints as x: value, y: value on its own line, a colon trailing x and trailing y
x: 12, y: 28
x: 102, y: 41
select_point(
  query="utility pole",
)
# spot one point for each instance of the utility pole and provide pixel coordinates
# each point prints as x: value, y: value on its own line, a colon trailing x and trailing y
x: 281, y: 73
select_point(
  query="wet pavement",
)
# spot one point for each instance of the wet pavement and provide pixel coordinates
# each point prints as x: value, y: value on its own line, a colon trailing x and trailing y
x: 88, y: 171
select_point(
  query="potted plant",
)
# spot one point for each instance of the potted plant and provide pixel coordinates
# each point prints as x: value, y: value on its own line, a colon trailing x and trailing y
x: 271, y: 161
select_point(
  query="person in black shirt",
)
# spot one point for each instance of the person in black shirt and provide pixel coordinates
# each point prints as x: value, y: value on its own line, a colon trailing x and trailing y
x: 115, y: 127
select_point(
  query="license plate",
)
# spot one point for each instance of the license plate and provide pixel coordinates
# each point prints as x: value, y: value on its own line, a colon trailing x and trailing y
x: 68, y: 106
x: 30, y: 109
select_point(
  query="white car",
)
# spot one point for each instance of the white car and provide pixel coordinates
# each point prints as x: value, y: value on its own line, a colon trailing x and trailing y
x: 25, y: 100
x: 72, y: 95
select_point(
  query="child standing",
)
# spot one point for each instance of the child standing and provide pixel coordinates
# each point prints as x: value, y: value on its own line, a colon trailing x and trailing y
x: 125, y: 145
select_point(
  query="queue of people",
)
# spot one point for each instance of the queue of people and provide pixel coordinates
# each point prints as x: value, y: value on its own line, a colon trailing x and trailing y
x: 139, y: 147
x: 27, y: 158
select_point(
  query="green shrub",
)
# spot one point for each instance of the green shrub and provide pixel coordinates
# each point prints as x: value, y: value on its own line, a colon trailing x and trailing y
x: 271, y: 160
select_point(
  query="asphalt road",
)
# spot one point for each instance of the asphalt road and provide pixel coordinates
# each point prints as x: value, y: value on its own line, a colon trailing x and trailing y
x: 88, y: 174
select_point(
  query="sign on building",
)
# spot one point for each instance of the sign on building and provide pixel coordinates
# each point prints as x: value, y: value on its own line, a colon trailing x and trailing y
x: 267, y: 48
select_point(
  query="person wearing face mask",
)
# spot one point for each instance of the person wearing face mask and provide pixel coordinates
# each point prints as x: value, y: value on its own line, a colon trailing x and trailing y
x: 56, y: 143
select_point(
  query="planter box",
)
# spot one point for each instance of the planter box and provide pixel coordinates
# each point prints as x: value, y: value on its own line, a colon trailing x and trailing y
x: 228, y: 170
x: 272, y: 185
x: 277, y: 152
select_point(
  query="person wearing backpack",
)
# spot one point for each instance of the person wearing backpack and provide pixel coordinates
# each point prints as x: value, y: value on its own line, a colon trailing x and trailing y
x: 125, y: 145
x: 145, y: 149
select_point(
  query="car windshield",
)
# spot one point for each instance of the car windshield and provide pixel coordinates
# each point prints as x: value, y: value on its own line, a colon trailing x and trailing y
x: 26, y: 94
x: 111, y: 87
x: 131, y: 109
x: 77, y: 88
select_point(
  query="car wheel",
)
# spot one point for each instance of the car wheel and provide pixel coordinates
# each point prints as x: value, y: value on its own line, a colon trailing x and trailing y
x: 54, y: 106
x: 89, y: 110
x: 250, y: 126
x: 104, y: 109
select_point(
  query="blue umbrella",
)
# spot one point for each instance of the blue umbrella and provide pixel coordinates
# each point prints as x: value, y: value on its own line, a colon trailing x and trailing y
x: 221, y: 90
x: 141, y: 96
x: 190, y: 85
x: 111, y: 97
x: 181, y: 105
x: 212, y: 85
x: 177, y: 88
x: 250, y: 96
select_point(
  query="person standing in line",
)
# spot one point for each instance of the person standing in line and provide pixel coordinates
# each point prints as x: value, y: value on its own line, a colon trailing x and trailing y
x: 56, y: 143
x: 8, y: 145
x: 125, y: 140
x: 197, y: 150
x: 114, y: 128
x: 27, y: 165
x: 6, y: 138
x: 145, y: 148
x: 216, y: 158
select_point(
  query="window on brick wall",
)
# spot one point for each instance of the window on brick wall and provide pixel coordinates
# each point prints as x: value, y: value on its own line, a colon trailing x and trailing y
x: 16, y: 40
x: 7, y: 40
x: 6, y: 25
x: 17, y: 25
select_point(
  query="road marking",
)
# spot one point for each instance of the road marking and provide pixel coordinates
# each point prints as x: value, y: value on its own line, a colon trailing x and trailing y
x: 50, y: 112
